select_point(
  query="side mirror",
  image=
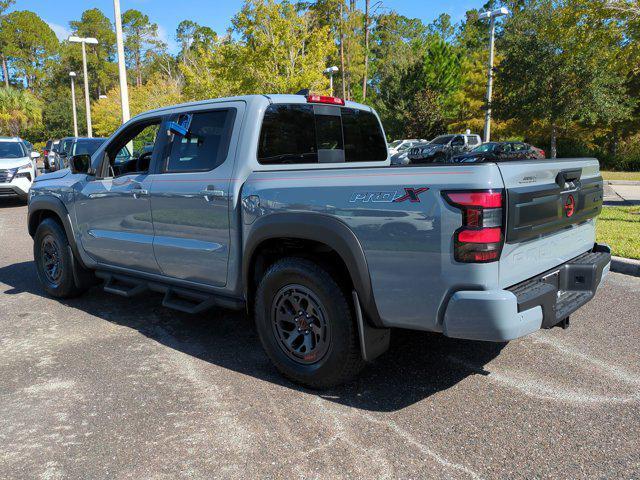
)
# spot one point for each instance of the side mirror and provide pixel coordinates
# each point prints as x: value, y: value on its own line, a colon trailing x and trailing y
x: 80, y: 163
x: 35, y: 155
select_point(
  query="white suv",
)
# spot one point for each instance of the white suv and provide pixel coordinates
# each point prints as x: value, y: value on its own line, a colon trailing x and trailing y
x: 17, y: 168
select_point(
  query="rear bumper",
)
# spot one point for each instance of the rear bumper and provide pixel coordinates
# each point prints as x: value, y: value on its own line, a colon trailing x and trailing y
x: 540, y: 302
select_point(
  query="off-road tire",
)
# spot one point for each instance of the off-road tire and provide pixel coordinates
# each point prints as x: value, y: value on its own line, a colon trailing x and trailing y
x: 63, y: 285
x: 342, y: 360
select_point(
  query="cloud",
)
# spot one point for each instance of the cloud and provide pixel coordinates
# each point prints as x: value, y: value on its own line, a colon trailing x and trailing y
x: 61, y: 32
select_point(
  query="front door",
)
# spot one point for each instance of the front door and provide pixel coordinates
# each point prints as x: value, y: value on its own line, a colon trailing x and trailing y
x: 190, y: 195
x: 113, y: 211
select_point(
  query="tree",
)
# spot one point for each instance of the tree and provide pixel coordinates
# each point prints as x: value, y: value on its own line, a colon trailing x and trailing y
x: 398, y: 43
x: 4, y: 6
x: 101, y: 57
x: 443, y: 28
x: 424, y: 119
x: 559, y: 67
x: 19, y: 110
x: 366, y: 50
x: 273, y: 48
x: 141, y: 41
x: 157, y: 92
x: 30, y: 45
x: 193, y: 36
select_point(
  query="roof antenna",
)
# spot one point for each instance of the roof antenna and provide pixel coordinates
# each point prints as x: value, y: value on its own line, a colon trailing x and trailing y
x: 304, y: 91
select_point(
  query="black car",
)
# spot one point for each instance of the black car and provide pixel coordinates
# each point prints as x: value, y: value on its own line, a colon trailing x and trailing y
x: 443, y: 148
x: 70, y: 146
x: 499, y: 151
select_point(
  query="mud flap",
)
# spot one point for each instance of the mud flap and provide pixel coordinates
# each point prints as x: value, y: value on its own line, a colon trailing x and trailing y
x: 373, y: 341
x: 82, y: 277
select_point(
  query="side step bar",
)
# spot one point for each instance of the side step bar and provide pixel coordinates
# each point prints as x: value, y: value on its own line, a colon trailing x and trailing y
x: 177, y: 298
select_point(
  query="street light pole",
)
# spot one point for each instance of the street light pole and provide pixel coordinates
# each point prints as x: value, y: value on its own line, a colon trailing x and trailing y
x: 122, y: 72
x: 492, y: 15
x: 330, y: 71
x: 73, y: 102
x: 87, y: 100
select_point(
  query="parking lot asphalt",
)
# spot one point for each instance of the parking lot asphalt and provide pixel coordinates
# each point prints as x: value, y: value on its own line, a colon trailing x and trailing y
x: 107, y: 387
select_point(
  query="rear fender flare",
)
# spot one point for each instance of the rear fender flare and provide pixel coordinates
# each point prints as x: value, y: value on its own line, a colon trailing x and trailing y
x: 319, y: 228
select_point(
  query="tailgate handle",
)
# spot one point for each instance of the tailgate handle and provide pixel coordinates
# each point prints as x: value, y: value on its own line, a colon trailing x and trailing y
x: 567, y: 177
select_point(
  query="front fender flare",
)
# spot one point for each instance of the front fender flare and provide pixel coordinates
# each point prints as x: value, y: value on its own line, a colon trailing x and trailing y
x: 52, y: 204
x: 319, y: 228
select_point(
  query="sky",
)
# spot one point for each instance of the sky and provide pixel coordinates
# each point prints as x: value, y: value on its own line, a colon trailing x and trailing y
x: 216, y: 14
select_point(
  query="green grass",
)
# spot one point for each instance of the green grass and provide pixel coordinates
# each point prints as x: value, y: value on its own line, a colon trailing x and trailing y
x: 619, y: 227
x: 621, y: 176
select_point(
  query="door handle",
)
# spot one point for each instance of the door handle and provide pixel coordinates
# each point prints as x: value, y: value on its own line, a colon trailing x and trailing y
x: 139, y: 192
x: 211, y: 192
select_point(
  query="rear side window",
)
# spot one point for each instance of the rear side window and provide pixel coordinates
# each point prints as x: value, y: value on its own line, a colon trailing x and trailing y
x: 307, y: 134
x: 205, y: 145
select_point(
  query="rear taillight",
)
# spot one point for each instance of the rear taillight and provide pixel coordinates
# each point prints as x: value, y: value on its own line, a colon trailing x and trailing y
x: 480, y: 238
x: 325, y: 99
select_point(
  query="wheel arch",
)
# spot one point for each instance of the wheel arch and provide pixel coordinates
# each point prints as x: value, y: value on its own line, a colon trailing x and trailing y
x: 322, y: 230
x: 43, y: 207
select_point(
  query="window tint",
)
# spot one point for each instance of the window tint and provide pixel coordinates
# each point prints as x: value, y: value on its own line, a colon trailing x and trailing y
x: 288, y: 135
x: 363, y: 139
x: 299, y: 134
x: 205, y: 145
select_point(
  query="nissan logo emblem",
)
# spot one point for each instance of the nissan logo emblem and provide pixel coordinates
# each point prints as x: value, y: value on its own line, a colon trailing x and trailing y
x: 570, y: 206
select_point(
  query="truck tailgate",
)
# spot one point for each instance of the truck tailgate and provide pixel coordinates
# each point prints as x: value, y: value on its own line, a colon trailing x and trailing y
x: 551, y: 206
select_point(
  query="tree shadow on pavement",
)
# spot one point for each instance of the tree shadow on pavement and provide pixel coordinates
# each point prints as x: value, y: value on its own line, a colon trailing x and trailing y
x: 416, y: 366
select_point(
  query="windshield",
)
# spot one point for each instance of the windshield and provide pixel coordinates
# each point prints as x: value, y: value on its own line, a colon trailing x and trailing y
x: 86, y: 147
x: 443, y: 140
x: 395, y: 144
x: 487, y: 147
x: 12, y: 150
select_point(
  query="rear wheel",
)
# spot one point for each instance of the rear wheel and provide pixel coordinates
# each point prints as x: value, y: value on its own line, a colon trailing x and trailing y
x: 306, y: 325
x: 54, y: 261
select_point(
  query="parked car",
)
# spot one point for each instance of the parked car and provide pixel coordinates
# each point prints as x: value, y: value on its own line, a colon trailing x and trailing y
x: 285, y: 205
x: 70, y: 146
x: 45, y: 154
x: 499, y: 151
x: 402, y: 157
x: 399, y: 146
x: 443, y: 148
x: 17, y: 168
x: 52, y: 156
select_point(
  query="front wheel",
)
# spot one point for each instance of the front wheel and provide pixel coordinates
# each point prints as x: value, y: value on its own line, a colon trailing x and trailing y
x: 306, y: 325
x: 54, y: 262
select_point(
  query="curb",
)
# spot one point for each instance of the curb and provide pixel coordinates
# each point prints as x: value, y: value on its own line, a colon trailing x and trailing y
x: 622, y: 182
x: 626, y: 266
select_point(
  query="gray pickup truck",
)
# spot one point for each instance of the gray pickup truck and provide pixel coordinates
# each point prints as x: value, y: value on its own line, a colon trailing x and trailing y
x: 286, y: 205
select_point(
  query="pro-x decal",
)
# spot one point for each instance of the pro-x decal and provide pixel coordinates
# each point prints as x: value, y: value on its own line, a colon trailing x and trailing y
x: 409, y: 194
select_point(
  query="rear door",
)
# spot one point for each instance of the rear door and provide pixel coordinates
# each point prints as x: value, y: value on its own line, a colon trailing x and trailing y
x: 190, y: 195
x: 551, y: 208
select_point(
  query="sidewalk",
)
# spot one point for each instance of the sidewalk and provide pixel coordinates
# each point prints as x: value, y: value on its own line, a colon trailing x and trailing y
x: 619, y: 193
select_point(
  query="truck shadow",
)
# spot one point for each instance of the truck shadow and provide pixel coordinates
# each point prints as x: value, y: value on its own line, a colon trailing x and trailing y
x: 416, y: 366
